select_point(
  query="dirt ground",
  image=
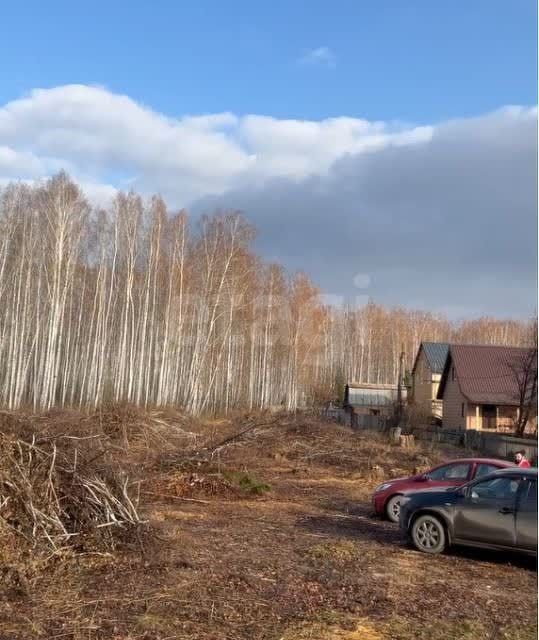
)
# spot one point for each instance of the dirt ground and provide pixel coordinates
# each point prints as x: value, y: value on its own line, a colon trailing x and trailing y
x: 270, y: 536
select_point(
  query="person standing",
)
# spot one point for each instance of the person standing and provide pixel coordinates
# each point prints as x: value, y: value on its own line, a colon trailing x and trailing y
x: 521, y: 460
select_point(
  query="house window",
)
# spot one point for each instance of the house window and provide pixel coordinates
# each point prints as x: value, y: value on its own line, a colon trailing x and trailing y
x: 452, y: 373
x: 462, y: 410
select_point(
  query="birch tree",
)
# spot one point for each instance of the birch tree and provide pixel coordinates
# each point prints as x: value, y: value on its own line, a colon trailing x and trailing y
x: 135, y: 303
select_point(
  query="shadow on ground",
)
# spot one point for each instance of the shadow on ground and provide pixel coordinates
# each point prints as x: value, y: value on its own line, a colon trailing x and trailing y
x: 359, y: 523
x: 355, y: 527
x: 518, y: 560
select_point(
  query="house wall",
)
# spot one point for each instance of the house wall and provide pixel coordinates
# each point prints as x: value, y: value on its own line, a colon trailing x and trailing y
x: 453, y: 399
x: 422, y: 382
x: 425, y: 387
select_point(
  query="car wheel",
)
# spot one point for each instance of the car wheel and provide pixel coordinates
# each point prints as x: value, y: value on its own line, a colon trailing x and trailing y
x: 393, y: 508
x: 428, y: 534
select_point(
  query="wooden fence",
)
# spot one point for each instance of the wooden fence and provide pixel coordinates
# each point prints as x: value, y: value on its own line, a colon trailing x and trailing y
x: 497, y: 445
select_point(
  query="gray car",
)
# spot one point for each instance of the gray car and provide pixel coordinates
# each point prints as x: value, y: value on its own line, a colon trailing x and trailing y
x: 498, y: 511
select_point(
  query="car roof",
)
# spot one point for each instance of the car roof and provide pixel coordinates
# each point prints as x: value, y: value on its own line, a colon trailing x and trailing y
x: 494, y: 461
x: 528, y: 473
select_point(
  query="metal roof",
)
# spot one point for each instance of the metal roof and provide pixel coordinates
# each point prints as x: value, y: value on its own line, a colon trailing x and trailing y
x: 372, y: 385
x: 486, y: 373
x: 436, y: 354
x: 372, y: 395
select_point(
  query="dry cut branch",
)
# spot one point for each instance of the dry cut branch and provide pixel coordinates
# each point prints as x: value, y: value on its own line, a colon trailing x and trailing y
x: 51, y: 494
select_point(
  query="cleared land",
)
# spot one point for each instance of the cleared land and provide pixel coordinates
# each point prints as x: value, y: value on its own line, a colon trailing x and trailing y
x: 268, y: 535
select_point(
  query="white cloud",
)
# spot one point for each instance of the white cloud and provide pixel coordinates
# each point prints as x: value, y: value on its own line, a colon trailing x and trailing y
x: 354, y: 196
x: 15, y: 163
x: 98, y: 193
x: 321, y: 56
x: 98, y: 135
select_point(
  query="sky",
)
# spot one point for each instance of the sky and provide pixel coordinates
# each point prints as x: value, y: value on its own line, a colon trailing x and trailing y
x: 388, y: 149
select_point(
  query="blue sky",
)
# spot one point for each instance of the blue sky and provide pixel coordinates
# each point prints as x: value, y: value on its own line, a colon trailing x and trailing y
x: 418, y: 61
x: 386, y: 143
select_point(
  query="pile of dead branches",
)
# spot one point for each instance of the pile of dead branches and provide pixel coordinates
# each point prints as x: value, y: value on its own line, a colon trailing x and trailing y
x: 64, y: 491
x: 135, y: 438
x: 134, y: 429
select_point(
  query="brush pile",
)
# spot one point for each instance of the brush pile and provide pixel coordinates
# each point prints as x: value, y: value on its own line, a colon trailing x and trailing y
x: 60, y: 491
x: 70, y: 481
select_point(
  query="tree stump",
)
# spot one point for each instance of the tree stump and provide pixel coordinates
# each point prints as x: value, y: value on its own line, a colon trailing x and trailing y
x: 407, y: 442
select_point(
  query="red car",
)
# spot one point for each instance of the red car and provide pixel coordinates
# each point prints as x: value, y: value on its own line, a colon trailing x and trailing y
x: 387, y: 496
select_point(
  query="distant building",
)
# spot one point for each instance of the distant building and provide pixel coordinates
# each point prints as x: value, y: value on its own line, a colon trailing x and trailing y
x: 426, y: 375
x: 370, y: 404
x: 479, y: 387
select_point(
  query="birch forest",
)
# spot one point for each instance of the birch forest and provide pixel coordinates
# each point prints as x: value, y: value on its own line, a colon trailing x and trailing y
x: 138, y: 304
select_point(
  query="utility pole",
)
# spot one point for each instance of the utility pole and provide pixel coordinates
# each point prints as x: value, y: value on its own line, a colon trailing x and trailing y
x: 395, y: 422
x: 399, y: 387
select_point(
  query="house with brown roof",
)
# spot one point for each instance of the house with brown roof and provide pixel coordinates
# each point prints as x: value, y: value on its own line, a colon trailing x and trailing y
x: 480, y: 387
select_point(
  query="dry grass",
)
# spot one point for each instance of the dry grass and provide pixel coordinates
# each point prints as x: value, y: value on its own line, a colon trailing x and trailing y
x: 302, y: 558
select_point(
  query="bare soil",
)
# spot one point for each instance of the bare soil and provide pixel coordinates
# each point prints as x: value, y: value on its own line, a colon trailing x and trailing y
x: 269, y: 536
